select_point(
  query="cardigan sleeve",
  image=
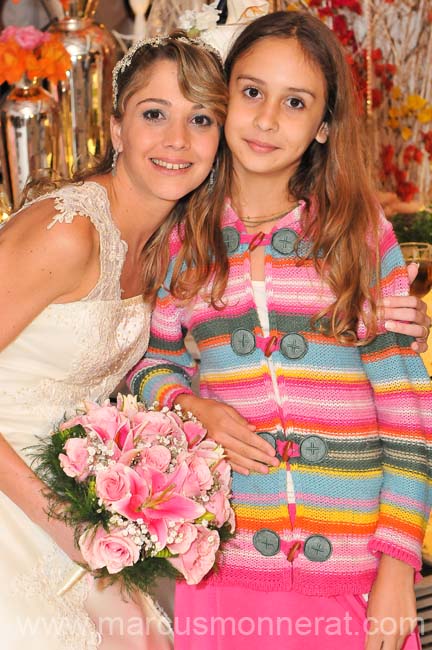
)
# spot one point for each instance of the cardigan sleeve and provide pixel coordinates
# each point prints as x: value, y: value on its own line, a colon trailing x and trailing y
x: 403, y: 402
x: 167, y: 368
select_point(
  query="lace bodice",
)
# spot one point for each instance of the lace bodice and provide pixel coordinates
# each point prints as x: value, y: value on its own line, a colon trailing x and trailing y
x: 75, y: 350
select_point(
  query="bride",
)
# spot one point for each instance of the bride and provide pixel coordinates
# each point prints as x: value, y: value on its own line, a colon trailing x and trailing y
x: 78, y: 270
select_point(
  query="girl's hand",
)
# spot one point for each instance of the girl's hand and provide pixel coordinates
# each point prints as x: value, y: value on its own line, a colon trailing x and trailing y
x: 391, y: 610
x: 245, y: 450
x: 407, y: 315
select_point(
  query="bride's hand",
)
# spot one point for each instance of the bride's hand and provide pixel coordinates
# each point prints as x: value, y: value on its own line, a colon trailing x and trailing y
x: 407, y: 315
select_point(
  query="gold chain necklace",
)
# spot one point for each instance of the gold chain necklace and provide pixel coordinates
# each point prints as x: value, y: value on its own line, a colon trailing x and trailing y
x: 273, y: 217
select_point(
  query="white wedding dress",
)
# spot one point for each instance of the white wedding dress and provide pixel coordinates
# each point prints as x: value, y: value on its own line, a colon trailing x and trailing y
x: 69, y: 352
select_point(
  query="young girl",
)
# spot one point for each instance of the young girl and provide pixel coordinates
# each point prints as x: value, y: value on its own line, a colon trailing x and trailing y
x: 295, y: 352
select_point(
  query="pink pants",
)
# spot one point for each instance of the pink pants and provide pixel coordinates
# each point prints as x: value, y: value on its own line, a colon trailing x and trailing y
x: 233, y: 618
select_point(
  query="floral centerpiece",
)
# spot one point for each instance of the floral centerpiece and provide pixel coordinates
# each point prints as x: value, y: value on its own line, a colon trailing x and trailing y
x: 28, y: 53
x: 147, y: 494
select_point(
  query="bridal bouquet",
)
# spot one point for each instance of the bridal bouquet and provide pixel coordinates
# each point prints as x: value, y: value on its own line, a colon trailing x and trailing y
x: 144, y: 489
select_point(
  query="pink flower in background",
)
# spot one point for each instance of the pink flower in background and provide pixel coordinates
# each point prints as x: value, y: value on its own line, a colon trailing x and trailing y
x: 112, y: 550
x: 199, y: 559
x: 29, y: 38
x: 74, y: 461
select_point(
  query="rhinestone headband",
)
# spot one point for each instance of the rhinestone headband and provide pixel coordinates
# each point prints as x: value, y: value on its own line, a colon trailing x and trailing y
x: 157, y: 41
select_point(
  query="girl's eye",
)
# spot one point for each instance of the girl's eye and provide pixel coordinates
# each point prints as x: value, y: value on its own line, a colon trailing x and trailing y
x: 295, y: 102
x: 251, y: 92
x: 202, y: 120
x: 153, y: 115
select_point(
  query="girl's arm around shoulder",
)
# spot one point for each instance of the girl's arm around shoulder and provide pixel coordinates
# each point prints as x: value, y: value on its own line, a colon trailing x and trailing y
x: 41, y: 265
x: 403, y: 406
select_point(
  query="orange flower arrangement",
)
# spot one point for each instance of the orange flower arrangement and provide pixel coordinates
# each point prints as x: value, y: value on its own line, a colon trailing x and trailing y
x: 28, y: 52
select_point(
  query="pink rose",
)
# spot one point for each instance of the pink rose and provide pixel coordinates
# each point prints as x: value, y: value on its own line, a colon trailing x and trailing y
x: 177, y: 424
x: 151, y: 424
x: 199, y: 478
x: 74, y: 462
x: 194, y: 432
x: 29, y: 38
x: 210, y: 451
x: 157, y: 456
x: 219, y: 505
x: 186, y: 534
x: 223, y: 470
x: 108, y: 423
x: 199, y: 559
x: 108, y: 549
x: 113, y: 483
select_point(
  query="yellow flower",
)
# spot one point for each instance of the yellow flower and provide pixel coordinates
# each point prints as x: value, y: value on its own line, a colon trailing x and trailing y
x: 425, y: 115
x: 394, y: 111
x: 393, y: 123
x: 396, y: 92
x: 406, y: 133
x: 415, y: 102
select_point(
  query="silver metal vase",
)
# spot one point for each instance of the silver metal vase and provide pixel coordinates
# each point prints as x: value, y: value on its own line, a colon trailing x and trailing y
x: 31, y: 143
x: 85, y: 97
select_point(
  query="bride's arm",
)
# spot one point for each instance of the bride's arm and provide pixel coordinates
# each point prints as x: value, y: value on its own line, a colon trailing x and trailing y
x: 26, y: 490
x: 39, y: 267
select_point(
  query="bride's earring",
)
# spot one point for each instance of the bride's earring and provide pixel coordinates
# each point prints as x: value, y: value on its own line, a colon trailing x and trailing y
x: 213, y: 175
x: 323, y: 133
x: 114, y: 162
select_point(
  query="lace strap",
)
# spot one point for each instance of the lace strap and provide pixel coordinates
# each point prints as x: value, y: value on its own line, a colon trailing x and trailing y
x: 91, y: 200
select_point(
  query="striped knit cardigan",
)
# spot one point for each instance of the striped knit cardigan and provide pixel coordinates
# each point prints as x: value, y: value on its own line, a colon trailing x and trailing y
x: 358, y: 419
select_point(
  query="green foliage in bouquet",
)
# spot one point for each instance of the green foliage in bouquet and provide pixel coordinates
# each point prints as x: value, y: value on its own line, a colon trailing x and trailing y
x: 416, y: 227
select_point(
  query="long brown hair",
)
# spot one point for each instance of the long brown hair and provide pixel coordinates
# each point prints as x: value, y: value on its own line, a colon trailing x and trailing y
x: 342, y: 216
x: 197, y: 216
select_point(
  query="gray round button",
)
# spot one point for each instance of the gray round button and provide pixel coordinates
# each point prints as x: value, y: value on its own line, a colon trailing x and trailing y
x: 231, y: 239
x: 266, y: 542
x: 293, y: 346
x: 242, y: 341
x: 317, y: 548
x: 268, y: 437
x: 313, y: 449
x: 284, y: 241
